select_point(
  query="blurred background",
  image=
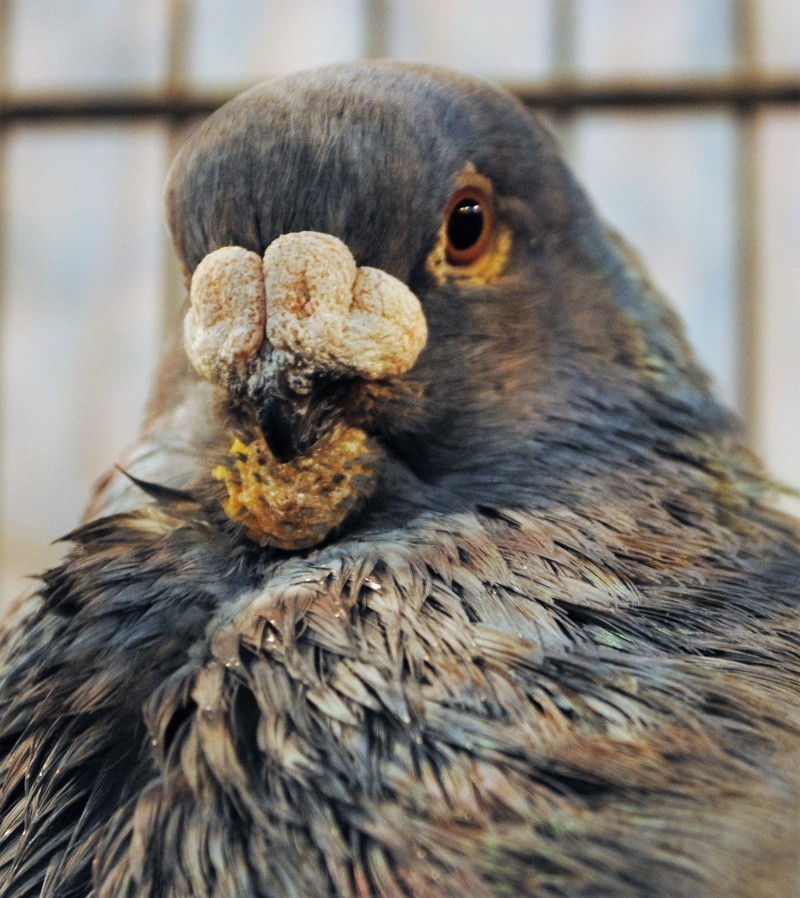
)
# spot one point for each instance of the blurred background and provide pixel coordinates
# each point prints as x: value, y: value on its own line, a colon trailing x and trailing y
x: 681, y: 117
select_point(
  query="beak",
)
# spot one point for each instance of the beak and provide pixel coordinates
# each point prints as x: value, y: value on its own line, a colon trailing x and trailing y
x: 291, y: 423
x: 282, y: 425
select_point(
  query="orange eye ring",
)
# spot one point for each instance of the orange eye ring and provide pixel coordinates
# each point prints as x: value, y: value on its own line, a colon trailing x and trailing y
x: 468, y: 224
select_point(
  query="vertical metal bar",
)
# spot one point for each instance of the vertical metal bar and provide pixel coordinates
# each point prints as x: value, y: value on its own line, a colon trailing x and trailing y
x: 177, y: 67
x: 5, y: 41
x: 745, y: 25
x: 377, y: 28
x: 178, y: 25
x: 562, y: 37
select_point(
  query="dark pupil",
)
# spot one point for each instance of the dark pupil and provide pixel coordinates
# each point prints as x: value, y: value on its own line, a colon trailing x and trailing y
x: 465, y: 225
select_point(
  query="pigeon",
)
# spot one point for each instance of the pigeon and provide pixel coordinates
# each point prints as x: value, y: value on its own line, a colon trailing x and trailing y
x: 437, y: 570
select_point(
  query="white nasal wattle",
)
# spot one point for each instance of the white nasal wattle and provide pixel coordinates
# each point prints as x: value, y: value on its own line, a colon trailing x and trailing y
x: 309, y: 299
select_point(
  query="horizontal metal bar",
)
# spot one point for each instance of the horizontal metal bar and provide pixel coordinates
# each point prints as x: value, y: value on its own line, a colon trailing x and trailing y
x: 562, y: 93
x: 739, y: 91
x: 167, y: 103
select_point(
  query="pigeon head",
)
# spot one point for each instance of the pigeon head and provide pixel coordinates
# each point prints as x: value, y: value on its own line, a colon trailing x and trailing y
x: 391, y: 265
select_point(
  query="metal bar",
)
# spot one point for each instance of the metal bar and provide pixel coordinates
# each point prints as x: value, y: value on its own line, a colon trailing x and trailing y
x: 6, y: 565
x: 123, y: 105
x: 175, y: 81
x: 562, y: 37
x: 745, y: 24
x: 559, y: 94
x: 643, y: 93
x: 178, y: 25
x: 747, y: 257
x: 377, y: 28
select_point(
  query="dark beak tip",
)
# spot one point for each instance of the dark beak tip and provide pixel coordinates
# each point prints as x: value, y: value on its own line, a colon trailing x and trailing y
x: 279, y: 433
x: 291, y: 423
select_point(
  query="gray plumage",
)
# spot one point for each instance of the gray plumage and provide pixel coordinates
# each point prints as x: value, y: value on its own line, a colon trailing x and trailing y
x: 555, y: 654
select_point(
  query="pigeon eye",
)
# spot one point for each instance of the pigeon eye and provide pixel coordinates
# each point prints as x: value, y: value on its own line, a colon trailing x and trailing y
x: 468, y: 225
